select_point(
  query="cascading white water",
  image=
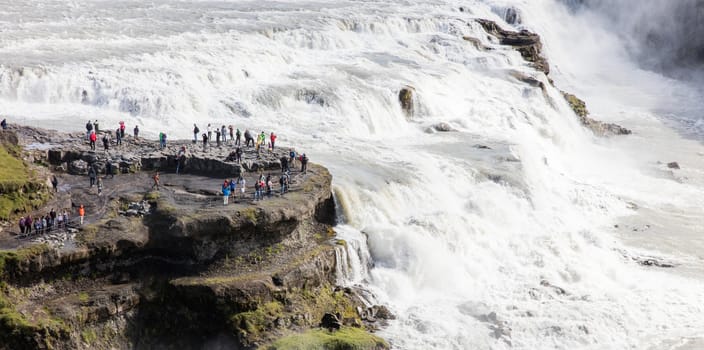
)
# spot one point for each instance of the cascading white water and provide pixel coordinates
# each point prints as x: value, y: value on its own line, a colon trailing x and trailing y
x: 510, y: 246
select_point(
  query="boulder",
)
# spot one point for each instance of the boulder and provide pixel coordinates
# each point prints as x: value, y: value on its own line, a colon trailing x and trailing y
x: 673, y: 165
x: 78, y: 167
x: 440, y: 127
x: 405, y: 97
x: 330, y: 321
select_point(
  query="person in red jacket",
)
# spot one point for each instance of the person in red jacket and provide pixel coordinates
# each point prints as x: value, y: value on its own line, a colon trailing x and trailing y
x: 93, y: 138
x: 272, y: 137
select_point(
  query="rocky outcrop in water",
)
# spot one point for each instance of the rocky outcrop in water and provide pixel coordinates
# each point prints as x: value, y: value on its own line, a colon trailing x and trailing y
x: 526, y: 43
x: 405, y: 97
x: 175, y: 268
x: 530, y: 47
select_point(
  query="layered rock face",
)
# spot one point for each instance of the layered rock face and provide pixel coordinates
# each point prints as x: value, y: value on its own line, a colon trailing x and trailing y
x: 186, y: 272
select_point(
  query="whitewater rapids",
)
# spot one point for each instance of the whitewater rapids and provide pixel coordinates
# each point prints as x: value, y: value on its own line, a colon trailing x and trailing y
x: 527, y: 244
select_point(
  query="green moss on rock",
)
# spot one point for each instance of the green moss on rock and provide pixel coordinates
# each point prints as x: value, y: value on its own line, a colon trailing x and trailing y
x: 577, y: 105
x: 347, y: 338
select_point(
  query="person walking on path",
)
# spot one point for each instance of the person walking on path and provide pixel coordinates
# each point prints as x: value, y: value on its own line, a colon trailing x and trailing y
x: 81, y: 213
x: 225, y: 192
x: 304, y: 163
x: 136, y: 132
x: 156, y: 181
x: 272, y: 137
x: 92, y: 137
x: 28, y: 224
x: 195, y: 133
x: 238, y: 136
x: 55, y: 183
x: 205, y: 142
x: 100, y: 185
x: 92, y: 175
x: 22, y: 225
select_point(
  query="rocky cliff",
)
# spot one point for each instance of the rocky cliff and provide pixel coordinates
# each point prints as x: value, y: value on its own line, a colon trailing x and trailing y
x: 175, y: 268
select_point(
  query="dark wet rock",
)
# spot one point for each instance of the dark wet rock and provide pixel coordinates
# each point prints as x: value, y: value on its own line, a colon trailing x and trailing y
x: 476, y: 42
x: 478, y: 146
x: 556, y: 289
x: 331, y: 322
x: 525, y: 78
x: 526, y: 43
x: 440, y: 127
x: 382, y: 312
x: 406, y: 98
x: 311, y: 97
x: 673, y: 165
x: 512, y: 16
x: 598, y: 127
x: 78, y: 167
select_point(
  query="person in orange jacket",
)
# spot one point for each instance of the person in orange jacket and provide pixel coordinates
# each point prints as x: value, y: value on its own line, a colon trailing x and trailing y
x: 81, y: 213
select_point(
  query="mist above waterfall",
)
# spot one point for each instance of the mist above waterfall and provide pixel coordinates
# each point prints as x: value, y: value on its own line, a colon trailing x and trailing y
x: 663, y: 35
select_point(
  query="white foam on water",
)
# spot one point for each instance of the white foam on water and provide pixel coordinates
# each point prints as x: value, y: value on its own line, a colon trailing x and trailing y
x: 472, y: 248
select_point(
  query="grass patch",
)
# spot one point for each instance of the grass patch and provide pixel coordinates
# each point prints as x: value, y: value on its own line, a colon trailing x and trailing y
x: 250, y: 214
x: 347, y: 338
x: 83, y: 297
x: 89, y: 336
x: 254, y: 323
x: 152, y: 196
x: 13, y: 172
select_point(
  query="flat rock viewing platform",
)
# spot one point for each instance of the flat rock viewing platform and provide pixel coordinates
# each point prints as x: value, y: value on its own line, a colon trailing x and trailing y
x: 246, y: 275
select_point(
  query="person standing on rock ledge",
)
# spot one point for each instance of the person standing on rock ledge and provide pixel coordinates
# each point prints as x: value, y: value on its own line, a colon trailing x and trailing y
x: 89, y: 128
x: 247, y: 138
x: 3, y: 124
x: 195, y: 133
x: 92, y: 137
x: 136, y: 132
x: 122, y: 129
x: 225, y: 192
x: 205, y: 142
x: 81, y: 213
x: 223, y: 134
x: 95, y: 126
x: 156, y: 181
x: 237, y: 139
x: 210, y: 133
x: 118, y: 137
x: 304, y: 163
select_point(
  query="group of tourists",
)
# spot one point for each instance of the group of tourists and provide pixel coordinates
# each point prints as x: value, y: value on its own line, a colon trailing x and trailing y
x: 92, y: 132
x: 263, y: 186
x: 44, y: 223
